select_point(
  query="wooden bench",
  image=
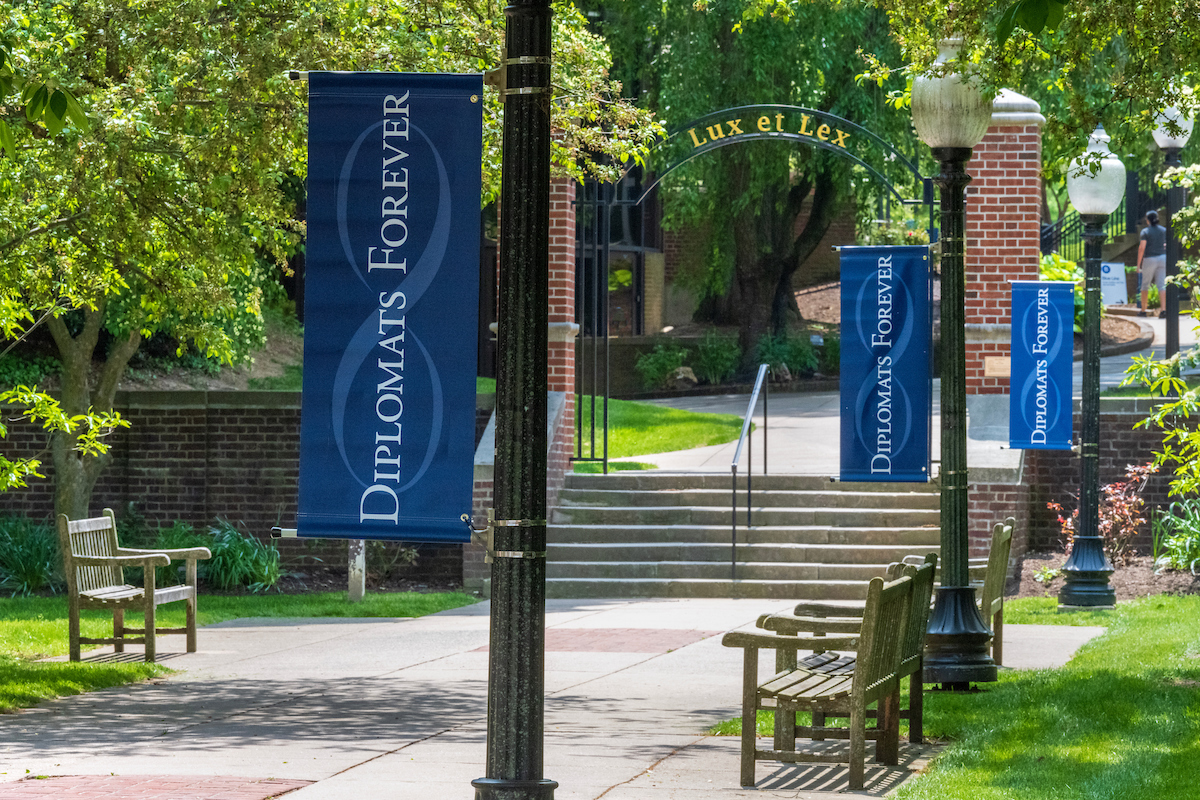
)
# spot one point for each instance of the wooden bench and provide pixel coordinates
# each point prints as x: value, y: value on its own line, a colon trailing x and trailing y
x: 819, y: 618
x: 93, y: 562
x: 989, y: 575
x: 874, y: 681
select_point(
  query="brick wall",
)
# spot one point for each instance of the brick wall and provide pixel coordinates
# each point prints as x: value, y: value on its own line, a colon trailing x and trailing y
x: 994, y: 502
x: 1053, y: 475
x: 1003, y: 229
x: 196, y: 456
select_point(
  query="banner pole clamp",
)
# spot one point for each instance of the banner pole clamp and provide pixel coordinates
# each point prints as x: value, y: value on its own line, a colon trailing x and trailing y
x: 486, y: 536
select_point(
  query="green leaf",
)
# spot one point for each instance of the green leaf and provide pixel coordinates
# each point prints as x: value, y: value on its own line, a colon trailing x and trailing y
x: 36, y: 105
x: 6, y: 140
x: 1032, y: 15
x: 75, y: 112
x: 1054, y: 16
x: 1008, y: 21
x: 56, y: 113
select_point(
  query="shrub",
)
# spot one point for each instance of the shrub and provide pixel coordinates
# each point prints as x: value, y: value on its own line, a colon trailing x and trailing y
x: 794, y: 352
x: 16, y: 370
x: 830, y: 355
x: 29, y: 557
x: 1121, y: 509
x: 1177, y: 540
x: 659, y: 364
x: 384, y: 558
x: 716, y: 357
x: 239, y: 560
x: 1056, y: 268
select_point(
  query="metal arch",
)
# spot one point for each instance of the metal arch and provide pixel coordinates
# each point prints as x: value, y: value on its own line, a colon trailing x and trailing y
x: 852, y: 127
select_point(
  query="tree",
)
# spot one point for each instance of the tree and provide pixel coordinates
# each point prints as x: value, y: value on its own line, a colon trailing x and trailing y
x: 750, y: 197
x: 166, y: 212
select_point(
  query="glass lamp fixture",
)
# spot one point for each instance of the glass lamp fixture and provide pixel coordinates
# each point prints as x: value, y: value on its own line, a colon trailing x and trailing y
x: 1099, y: 192
x: 949, y: 111
x: 1163, y: 138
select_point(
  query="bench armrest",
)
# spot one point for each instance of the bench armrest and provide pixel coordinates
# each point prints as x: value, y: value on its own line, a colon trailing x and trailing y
x: 817, y: 609
x: 199, y: 553
x: 792, y: 624
x: 148, y: 558
x: 770, y: 641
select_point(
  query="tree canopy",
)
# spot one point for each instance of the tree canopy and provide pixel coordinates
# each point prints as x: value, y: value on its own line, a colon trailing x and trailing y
x: 167, y: 197
x: 688, y: 62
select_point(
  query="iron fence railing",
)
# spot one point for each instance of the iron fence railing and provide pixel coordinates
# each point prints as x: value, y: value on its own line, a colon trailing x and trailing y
x: 1142, y: 194
x: 760, y: 385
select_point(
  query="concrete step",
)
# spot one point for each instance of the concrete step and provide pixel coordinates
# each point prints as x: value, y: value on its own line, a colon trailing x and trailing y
x: 783, y: 590
x: 765, y: 498
x: 796, y: 534
x: 778, y: 552
x: 713, y: 570
x: 705, y: 515
x: 660, y: 481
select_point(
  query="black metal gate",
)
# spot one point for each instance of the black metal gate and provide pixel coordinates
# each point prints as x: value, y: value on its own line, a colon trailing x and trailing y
x: 613, y: 231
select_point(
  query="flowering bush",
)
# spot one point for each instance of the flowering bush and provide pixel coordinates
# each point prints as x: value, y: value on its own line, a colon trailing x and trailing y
x: 1121, y: 514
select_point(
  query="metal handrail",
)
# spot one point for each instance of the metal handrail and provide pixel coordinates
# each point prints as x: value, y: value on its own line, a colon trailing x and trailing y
x: 759, y: 383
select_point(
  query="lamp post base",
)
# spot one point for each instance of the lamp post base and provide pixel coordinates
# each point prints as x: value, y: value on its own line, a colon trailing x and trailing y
x: 501, y: 789
x: 956, y: 645
x: 1086, y: 573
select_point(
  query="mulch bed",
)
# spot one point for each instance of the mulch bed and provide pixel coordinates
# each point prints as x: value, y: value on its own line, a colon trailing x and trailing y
x: 1136, y: 579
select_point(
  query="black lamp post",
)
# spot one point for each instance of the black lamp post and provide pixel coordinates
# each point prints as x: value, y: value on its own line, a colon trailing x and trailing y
x: 1095, y: 196
x: 1171, y: 144
x: 951, y: 117
x: 516, y: 669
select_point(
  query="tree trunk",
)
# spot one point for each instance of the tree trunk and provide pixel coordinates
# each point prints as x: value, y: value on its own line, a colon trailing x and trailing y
x: 75, y: 473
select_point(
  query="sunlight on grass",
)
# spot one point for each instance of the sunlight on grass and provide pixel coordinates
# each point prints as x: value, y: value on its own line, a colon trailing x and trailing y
x: 595, y: 468
x: 639, y: 428
x: 1121, y: 720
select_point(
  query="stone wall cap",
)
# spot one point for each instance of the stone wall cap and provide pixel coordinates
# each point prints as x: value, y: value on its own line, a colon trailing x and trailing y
x: 1013, y: 109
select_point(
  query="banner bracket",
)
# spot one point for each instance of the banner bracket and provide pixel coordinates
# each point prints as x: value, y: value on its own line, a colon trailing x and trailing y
x: 486, y: 536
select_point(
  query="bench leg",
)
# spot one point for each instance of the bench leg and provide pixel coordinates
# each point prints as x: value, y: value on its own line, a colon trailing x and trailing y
x: 749, y: 714
x: 858, y: 745
x: 191, y: 606
x: 118, y: 629
x: 998, y: 637
x: 149, y: 608
x: 916, y: 707
x: 887, y: 746
x: 191, y: 624
x: 73, y: 632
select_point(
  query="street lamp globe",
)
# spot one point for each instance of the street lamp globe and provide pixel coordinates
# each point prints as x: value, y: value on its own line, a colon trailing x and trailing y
x: 1163, y: 138
x: 1098, y: 192
x: 948, y: 111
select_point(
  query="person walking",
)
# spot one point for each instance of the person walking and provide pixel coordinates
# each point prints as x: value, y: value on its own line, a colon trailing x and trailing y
x: 1152, y: 261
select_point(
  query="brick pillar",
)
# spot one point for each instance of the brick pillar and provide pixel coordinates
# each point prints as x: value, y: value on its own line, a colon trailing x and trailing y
x: 561, y: 377
x: 563, y: 330
x: 1003, y: 230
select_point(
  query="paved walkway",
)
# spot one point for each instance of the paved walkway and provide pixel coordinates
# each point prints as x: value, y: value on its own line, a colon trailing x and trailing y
x: 803, y: 433
x: 353, y: 709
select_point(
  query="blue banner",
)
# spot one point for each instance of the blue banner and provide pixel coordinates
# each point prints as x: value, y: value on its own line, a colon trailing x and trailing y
x: 1043, y: 347
x: 387, y: 433
x: 886, y: 392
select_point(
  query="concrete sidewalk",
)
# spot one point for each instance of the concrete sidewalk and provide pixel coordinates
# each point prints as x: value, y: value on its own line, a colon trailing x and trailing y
x: 355, y: 709
x: 803, y: 434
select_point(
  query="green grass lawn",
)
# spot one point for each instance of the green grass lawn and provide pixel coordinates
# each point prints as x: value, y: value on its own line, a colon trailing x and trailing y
x: 639, y: 428
x: 36, y: 627
x: 1121, y: 720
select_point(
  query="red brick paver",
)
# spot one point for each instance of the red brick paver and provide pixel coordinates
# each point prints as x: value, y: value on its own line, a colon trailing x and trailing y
x: 148, y: 787
x: 618, y: 640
